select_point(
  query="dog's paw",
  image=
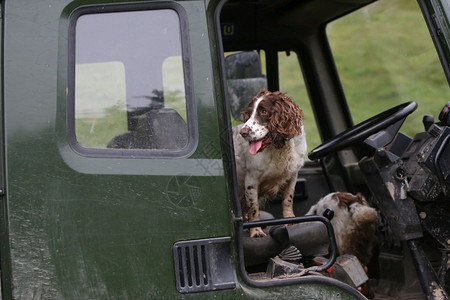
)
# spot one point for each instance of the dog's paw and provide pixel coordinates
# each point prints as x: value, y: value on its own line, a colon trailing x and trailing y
x: 257, y: 232
x: 288, y: 215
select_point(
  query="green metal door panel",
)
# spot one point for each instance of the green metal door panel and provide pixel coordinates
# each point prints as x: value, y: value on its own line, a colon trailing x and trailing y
x: 95, y: 227
x: 29, y: 117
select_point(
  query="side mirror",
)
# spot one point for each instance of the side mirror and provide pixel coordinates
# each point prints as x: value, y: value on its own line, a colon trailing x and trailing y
x: 244, y: 80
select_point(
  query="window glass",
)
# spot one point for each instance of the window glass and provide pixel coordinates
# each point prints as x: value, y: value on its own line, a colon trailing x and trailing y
x: 246, y: 76
x: 129, y: 81
x: 382, y: 62
x: 173, y: 85
x: 291, y: 82
x: 100, y: 107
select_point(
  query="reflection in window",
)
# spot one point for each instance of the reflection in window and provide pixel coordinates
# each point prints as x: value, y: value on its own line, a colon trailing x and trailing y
x: 129, y: 82
x: 100, y: 108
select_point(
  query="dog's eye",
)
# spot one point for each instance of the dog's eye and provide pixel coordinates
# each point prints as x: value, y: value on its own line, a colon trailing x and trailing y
x: 264, y: 112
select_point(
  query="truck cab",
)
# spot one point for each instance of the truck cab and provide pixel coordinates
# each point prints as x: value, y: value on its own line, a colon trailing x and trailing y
x: 117, y: 168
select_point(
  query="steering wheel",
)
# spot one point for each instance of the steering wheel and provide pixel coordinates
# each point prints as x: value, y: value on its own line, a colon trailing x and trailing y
x: 363, y: 130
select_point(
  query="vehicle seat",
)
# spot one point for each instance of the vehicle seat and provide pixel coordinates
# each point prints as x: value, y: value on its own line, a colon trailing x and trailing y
x: 310, y: 238
x: 244, y: 80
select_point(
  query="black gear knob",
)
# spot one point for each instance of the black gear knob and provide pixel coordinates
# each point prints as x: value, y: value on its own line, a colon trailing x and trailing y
x: 427, y: 121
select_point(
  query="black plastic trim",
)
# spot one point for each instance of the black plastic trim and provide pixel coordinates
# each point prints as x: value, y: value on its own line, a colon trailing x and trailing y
x: 203, y: 265
x: 433, y: 26
x: 304, y: 219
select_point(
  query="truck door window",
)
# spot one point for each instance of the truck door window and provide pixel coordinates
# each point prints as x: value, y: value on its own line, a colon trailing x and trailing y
x: 129, y: 84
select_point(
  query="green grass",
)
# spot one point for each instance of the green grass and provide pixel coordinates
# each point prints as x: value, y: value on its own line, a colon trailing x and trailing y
x: 385, y: 56
x: 291, y: 82
x: 97, y: 132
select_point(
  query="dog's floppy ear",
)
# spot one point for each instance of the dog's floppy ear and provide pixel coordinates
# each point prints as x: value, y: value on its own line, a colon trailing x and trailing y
x: 287, y: 116
x: 347, y: 199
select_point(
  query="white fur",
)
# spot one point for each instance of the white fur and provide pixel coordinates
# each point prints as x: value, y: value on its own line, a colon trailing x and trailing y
x: 257, y: 131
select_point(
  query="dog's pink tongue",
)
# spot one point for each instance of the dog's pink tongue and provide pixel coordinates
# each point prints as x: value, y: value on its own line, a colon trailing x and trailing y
x: 254, y: 147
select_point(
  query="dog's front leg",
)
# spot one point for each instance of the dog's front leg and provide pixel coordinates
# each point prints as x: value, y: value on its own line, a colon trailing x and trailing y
x: 288, y: 198
x: 251, y: 197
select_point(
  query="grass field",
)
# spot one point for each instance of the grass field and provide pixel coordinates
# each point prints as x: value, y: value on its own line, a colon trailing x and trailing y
x: 385, y: 56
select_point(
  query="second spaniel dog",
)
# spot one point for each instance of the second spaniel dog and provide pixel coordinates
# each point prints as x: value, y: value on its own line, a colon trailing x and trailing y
x: 270, y: 148
x: 354, y: 223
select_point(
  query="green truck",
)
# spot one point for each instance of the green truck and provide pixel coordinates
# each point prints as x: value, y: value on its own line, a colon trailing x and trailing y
x: 114, y: 188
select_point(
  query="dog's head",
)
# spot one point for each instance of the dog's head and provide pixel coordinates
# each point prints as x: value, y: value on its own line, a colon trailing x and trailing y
x: 271, y: 118
x: 346, y: 206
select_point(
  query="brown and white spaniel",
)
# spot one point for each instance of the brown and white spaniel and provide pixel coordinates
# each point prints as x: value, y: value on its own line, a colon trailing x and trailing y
x: 354, y: 223
x: 270, y: 148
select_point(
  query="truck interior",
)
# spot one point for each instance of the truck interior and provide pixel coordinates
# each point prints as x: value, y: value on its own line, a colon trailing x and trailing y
x: 254, y: 35
x: 297, y: 28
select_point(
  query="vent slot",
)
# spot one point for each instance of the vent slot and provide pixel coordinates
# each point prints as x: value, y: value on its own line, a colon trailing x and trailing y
x: 194, y: 271
x: 197, y: 264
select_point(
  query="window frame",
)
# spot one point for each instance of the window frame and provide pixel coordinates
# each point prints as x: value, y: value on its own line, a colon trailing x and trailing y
x: 438, y: 22
x: 191, y: 111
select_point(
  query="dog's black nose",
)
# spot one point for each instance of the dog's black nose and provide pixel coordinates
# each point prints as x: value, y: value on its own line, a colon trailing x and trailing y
x: 245, y: 132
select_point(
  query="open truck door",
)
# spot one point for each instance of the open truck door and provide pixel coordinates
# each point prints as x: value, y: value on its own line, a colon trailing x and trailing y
x: 109, y: 163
